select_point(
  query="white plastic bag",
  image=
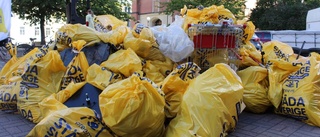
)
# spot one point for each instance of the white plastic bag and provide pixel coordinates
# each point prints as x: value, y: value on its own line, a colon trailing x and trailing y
x: 173, y: 41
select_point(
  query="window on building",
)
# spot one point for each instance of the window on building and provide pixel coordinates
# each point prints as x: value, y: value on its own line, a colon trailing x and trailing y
x: 37, y: 31
x: 22, y: 31
x: 47, y: 31
x: 156, y: 6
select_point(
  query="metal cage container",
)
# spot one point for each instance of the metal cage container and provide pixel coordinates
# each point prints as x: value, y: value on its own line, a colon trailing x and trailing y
x: 215, y: 43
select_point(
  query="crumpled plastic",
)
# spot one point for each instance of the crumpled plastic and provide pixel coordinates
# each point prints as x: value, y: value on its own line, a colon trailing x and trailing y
x: 207, y: 58
x: 6, y: 71
x: 8, y: 96
x: 78, y: 121
x: 300, y: 98
x: 152, y: 72
x: 77, y: 68
x: 42, y: 74
x: 277, y: 50
x: 250, y: 56
x: 55, y: 101
x: 213, y: 14
x: 279, y: 70
x: 206, y: 107
x: 175, y: 85
x: 125, y: 62
x: 73, y: 32
x: 142, y: 41
x: 248, y: 30
x: 135, y: 100
x: 101, y: 77
x: 255, y: 82
x: 115, y: 36
x: 11, y: 71
x: 165, y: 67
x: 173, y: 41
x: 101, y: 23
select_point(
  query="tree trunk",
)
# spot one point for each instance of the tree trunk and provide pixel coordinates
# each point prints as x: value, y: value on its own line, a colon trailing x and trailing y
x: 43, y: 40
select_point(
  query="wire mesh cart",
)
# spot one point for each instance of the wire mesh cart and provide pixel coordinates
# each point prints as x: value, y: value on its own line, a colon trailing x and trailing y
x: 215, y: 43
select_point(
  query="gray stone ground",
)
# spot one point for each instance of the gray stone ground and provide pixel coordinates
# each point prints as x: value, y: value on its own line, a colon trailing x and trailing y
x: 249, y: 125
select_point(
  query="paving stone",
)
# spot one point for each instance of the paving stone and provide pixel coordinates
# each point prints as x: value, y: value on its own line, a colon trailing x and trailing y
x: 249, y: 125
x: 24, y: 128
x: 301, y: 133
x: 259, y: 129
x: 13, y: 130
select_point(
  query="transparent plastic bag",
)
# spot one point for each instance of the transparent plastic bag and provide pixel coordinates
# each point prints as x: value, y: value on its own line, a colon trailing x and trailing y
x: 173, y: 41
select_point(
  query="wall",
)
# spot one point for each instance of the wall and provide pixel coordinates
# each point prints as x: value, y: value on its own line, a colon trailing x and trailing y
x: 141, y: 9
x: 16, y: 23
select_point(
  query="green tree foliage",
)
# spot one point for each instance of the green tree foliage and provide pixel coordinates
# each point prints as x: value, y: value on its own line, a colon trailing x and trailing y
x: 235, y: 6
x: 39, y: 11
x: 102, y: 7
x: 282, y: 14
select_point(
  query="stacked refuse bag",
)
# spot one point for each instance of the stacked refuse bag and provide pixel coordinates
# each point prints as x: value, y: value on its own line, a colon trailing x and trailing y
x: 135, y: 82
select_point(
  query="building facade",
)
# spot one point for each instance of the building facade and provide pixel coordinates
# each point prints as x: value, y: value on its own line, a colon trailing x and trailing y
x: 21, y: 30
x: 148, y: 12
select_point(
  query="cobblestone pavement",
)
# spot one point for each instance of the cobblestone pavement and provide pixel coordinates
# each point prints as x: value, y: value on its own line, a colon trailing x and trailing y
x: 272, y: 125
x: 250, y: 125
x: 14, y: 125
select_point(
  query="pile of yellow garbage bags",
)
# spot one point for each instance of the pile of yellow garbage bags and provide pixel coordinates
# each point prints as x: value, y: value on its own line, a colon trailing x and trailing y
x: 274, y: 77
x: 145, y: 93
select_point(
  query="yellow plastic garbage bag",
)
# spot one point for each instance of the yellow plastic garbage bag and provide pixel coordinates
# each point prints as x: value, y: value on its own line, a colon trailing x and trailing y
x: 142, y: 41
x: 189, y: 20
x: 12, y: 69
x: 184, y: 10
x: 50, y: 104
x: 207, y: 58
x: 209, y: 14
x: 279, y: 70
x: 55, y: 101
x: 277, y: 50
x: 6, y: 71
x: 301, y: 92
x: 213, y: 14
x: 133, y: 107
x: 232, y: 87
x: 248, y: 30
x: 176, y: 84
x: 195, y: 13
x: 71, y: 122
x: 125, y: 62
x: 77, y: 68
x: 115, y: 36
x: 210, y: 105
x: 101, y: 77
x: 246, y: 61
x: 152, y: 72
x: 41, y: 77
x: 165, y: 66
x: 73, y: 32
x: 12, y: 49
x: 248, y: 50
x: 102, y: 22
x: 225, y: 14
x: 8, y: 96
x: 255, y: 82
